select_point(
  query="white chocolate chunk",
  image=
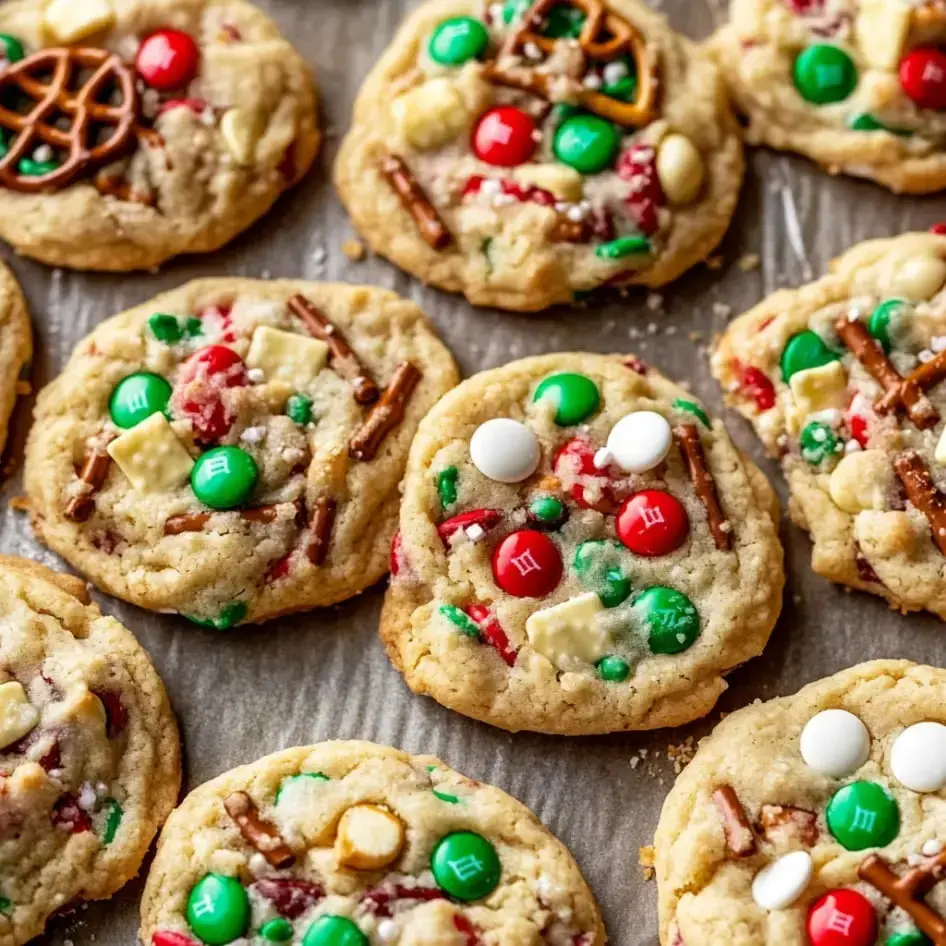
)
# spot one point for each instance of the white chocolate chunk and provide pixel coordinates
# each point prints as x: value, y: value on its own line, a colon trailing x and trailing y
x: 680, y: 169
x: 68, y: 21
x: 240, y: 134
x: 563, y: 182
x: 939, y: 454
x: 819, y: 389
x: 151, y: 456
x: 286, y: 356
x: 880, y: 31
x: 781, y: 883
x: 18, y: 716
x: 430, y: 115
x: 862, y: 481
x: 369, y: 838
x: 918, y: 757
x: 570, y: 631
x: 835, y: 743
x: 918, y: 278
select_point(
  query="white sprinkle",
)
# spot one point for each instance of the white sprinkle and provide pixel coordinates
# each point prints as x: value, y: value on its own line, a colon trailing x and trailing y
x: 925, y: 356
x: 490, y: 187
x: 319, y: 255
x: 256, y: 375
x: 938, y: 343
x: 87, y: 798
x: 852, y: 446
x: 820, y: 435
x: 575, y: 213
x: 475, y: 532
x: 591, y: 81
x: 932, y: 847
x: 387, y: 931
x: 503, y: 200
x: 253, y: 434
x: 603, y: 458
x: 614, y: 72
x: 43, y: 154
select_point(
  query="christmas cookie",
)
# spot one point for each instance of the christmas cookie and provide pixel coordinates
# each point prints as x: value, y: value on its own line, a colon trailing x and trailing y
x: 135, y: 130
x: 581, y: 549
x: 843, y: 380
x: 89, y: 751
x: 16, y: 345
x: 857, y: 85
x: 524, y: 152
x: 814, y: 820
x: 353, y: 844
x: 232, y: 450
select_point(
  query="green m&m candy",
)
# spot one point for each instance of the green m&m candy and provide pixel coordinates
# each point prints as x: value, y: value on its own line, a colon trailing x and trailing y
x: 671, y: 618
x: 514, y: 9
x: 879, y: 322
x: 332, y: 930
x: 300, y: 779
x: 29, y: 167
x: 614, y: 669
x: 457, y: 40
x: 218, y: 910
x: 547, y: 513
x: 817, y: 441
x: 598, y: 563
x: 447, y: 486
x: 299, y: 409
x: 165, y: 328
x: 229, y: 617
x: 634, y: 245
x: 862, y: 815
x: 587, y: 143
x: 276, y: 931
x: 224, y: 478
x: 575, y: 397
x: 6, y: 904
x: 803, y: 351
x: 137, y: 397
x: 824, y: 74
x: 908, y: 938
x: 691, y: 407
x: 11, y: 49
x: 466, y: 866
x: 564, y: 22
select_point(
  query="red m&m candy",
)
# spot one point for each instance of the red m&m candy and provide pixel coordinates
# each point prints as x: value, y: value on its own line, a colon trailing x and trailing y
x: 199, y: 393
x: 527, y: 564
x: 504, y: 136
x: 923, y: 76
x: 168, y: 60
x: 842, y: 918
x: 652, y: 523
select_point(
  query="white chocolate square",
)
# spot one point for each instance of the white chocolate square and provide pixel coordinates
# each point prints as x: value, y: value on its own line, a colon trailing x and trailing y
x: 560, y: 180
x: 430, y: 115
x: 71, y: 20
x: 819, y: 389
x: 18, y: 716
x: 881, y: 30
x: 286, y: 356
x: 570, y: 631
x: 151, y: 456
x: 240, y: 134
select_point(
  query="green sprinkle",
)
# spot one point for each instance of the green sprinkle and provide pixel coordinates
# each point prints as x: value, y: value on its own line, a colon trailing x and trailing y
x: 294, y: 779
x: 165, y: 328
x: 449, y: 799
x: 484, y: 249
x: 460, y: 620
x: 113, y: 819
x: 691, y: 407
x: 818, y: 441
x: 299, y: 409
x: 193, y: 327
x: 276, y: 931
x: 614, y: 669
x: 623, y: 246
x: 5, y: 905
x: 231, y: 615
x: 447, y: 486
x: 866, y: 122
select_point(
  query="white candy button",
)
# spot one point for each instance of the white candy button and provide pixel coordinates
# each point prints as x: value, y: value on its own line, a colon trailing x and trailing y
x: 781, y: 883
x: 505, y: 450
x: 835, y: 742
x: 918, y: 757
x: 640, y: 441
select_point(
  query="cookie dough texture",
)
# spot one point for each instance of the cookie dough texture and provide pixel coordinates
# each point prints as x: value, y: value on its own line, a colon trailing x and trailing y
x: 737, y: 594
x: 16, y: 345
x: 103, y: 734
x: 503, y: 252
x: 123, y: 546
x: 705, y: 896
x: 902, y: 144
x: 541, y: 895
x: 191, y: 192
x: 851, y: 501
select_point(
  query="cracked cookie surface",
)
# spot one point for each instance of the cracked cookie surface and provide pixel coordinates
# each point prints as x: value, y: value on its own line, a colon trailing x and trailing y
x: 89, y: 750
x: 581, y: 549
x: 231, y: 450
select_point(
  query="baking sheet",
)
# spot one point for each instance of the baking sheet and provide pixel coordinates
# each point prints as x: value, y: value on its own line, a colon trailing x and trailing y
x: 324, y: 675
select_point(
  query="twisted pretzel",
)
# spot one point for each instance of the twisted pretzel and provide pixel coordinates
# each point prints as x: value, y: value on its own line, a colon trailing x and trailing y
x: 82, y: 106
x: 604, y: 37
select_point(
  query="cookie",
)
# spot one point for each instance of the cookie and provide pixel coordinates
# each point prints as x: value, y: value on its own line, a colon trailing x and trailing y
x: 842, y: 380
x: 89, y: 751
x: 581, y: 550
x: 16, y: 345
x: 232, y: 450
x: 858, y: 87
x: 526, y: 153
x: 179, y: 123
x: 814, y: 819
x: 351, y: 844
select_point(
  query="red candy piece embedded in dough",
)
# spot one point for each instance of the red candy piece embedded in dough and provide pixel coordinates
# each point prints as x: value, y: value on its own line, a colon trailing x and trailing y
x: 198, y: 395
x: 842, y: 918
x: 492, y: 631
x: 576, y: 461
x: 170, y: 938
x: 484, y: 518
x: 527, y: 564
x: 535, y: 195
x: 290, y: 898
x: 638, y: 166
x: 652, y: 523
x: 923, y: 76
x: 756, y: 386
x: 116, y: 716
x: 67, y: 814
x: 168, y: 60
x: 505, y: 136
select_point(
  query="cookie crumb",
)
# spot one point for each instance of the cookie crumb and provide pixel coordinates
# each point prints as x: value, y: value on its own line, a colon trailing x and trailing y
x: 714, y: 262
x: 645, y: 857
x: 695, y: 336
x: 19, y: 504
x: 722, y: 310
x: 354, y: 250
x: 655, y: 302
x: 749, y: 261
x: 682, y: 755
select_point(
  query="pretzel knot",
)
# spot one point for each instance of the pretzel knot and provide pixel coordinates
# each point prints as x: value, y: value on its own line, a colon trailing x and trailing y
x: 73, y: 114
x: 604, y: 37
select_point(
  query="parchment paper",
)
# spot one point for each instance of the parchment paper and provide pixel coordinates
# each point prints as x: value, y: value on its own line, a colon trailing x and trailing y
x: 324, y: 675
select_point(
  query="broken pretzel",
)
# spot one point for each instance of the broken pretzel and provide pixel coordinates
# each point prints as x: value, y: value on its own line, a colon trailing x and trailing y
x: 386, y: 414
x: 195, y: 522
x: 432, y: 228
x: 257, y: 832
x: 922, y: 492
x: 323, y: 520
x: 93, y: 474
x: 740, y: 838
x: 691, y: 448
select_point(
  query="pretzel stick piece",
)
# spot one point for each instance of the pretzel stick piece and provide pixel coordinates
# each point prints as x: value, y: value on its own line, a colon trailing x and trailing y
x: 740, y: 838
x: 432, y: 228
x: 691, y: 448
x: 921, y: 491
x: 257, y: 832
x: 386, y: 414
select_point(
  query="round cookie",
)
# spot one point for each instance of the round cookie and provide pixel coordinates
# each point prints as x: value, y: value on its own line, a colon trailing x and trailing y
x: 859, y: 87
x: 798, y: 817
x: 89, y: 750
x: 842, y: 380
x: 351, y: 844
x: 203, y: 115
x: 232, y: 450
x: 564, y: 566
x: 16, y: 345
x: 543, y: 150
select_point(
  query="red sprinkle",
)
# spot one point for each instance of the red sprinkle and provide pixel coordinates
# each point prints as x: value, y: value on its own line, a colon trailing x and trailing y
x: 535, y: 195
x: 638, y: 165
x: 170, y: 938
x: 280, y: 568
x: 199, y: 391
x: 635, y: 364
x: 67, y: 814
x: 379, y: 901
x: 290, y: 898
x: 492, y: 631
x: 467, y: 928
x: 485, y: 518
x: 579, y: 452
x: 755, y: 385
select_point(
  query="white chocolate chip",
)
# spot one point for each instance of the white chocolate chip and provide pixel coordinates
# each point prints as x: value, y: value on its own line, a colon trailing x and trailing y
x: 18, y: 716
x: 680, y: 169
x: 71, y: 20
x: 918, y: 277
x: 835, y: 742
x: 880, y: 31
x: 505, y: 450
x: 570, y: 631
x: 369, y: 838
x: 431, y: 114
x: 151, y: 456
x: 563, y: 182
x: 640, y: 441
x: 286, y: 356
x: 918, y: 757
x: 240, y: 132
x: 782, y: 882
x: 819, y: 389
x: 862, y: 481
